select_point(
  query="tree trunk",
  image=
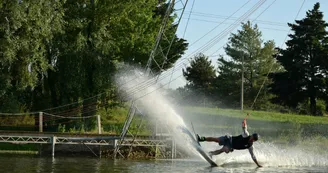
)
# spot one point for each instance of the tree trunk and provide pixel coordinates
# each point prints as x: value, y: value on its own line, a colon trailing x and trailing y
x: 313, y: 105
x: 312, y: 95
x: 89, y: 110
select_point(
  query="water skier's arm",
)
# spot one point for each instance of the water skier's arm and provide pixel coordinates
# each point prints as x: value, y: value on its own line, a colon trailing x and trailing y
x: 251, y: 151
x: 244, y: 126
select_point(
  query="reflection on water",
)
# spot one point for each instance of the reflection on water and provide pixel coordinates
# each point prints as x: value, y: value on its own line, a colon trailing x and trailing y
x: 28, y: 164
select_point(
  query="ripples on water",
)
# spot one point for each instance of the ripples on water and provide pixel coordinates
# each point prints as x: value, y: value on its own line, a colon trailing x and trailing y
x: 25, y: 164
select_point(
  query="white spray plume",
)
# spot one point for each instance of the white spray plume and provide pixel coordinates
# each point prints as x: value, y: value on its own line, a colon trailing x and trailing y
x: 150, y: 100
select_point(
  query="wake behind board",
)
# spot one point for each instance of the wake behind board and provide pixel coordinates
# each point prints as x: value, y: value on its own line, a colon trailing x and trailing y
x: 198, y: 147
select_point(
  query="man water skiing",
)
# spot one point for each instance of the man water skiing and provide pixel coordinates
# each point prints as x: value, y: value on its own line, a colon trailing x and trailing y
x: 243, y: 141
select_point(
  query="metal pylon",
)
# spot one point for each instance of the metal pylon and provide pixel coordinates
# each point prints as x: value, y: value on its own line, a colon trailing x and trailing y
x: 174, y: 6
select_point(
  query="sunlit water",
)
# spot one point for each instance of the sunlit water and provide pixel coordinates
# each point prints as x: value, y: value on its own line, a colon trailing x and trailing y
x: 26, y: 164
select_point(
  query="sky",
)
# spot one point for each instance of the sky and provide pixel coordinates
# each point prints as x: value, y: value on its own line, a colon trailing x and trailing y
x: 212, y: 21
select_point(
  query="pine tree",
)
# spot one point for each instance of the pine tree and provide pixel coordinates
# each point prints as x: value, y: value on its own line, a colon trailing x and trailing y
x: 305, y: 61
x: 200, y: 75
x: 245, y: 46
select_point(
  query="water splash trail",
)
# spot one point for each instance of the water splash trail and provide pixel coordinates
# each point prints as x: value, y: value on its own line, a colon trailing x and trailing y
x: 274, y: 155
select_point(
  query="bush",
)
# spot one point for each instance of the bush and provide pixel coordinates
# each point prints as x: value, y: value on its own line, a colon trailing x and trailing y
x: 321, y: 107
x: 61, y: 128
x: 271, y: 107
x: 304, y: 108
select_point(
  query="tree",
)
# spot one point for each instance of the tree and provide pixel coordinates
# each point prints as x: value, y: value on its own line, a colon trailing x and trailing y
x: 60, y: 52
x: 200, y: 75
x: 245, y: 47
x: 166, y: 54
x: 26, y: 29
x: 305, y: 62
x: 98, y: 35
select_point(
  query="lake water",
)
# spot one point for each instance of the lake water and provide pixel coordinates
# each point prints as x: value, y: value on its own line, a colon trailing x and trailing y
x: 32, y: 164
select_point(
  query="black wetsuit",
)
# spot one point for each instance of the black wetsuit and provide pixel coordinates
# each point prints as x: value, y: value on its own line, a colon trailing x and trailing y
x: 240, y: 143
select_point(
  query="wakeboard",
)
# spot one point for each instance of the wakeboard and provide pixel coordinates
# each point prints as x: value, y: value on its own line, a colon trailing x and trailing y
x: 198, y: 147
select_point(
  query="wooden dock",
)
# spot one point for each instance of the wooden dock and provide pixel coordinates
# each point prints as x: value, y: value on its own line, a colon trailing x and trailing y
x: 54, y: 139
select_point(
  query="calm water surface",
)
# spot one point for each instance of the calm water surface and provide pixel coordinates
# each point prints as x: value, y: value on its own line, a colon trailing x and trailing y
x: 28, y: 164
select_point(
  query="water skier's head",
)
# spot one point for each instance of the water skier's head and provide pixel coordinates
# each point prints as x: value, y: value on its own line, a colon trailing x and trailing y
x: 254, y: 137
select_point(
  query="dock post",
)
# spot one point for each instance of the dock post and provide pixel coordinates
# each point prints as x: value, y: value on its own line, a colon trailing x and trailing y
x: 99, y: 124
x: 40, y: 121
x: 99, y: 132
x: 156, y: 151
x: 53, y: 143
x: 115, y: 143
x: 115, y: 149
x: 40, y: 150
x: 173, y: 149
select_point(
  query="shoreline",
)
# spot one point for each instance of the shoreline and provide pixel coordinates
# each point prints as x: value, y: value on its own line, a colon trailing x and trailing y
x: 137, y: 152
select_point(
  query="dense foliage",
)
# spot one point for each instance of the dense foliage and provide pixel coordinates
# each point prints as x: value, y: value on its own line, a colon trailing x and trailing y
x: 58, y: 52
x: 305, y: 62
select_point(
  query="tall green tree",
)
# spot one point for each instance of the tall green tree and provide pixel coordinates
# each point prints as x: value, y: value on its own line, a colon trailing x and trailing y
x: 54, y: 53
x: 245, y: 49
x: 99, y: 35
x: 171, y: 47
x: 305, y: 62
x: 200, y: 75
x: 26, y: 29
